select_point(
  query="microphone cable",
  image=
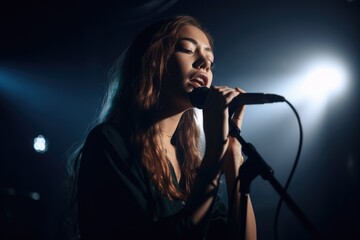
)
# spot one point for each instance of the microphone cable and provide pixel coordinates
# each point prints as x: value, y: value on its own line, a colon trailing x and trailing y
x: 276, y: 218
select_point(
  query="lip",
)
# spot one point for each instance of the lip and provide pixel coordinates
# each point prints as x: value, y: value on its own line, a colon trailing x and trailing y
x: 199, y: 79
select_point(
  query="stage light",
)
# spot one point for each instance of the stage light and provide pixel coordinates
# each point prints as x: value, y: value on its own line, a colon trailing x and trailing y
x: 317, y: 86
x: 322, y: 82
x: 40, y: 144
x: 323, y: 79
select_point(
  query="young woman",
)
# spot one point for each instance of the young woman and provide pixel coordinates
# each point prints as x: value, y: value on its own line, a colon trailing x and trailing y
x: 141, y: 173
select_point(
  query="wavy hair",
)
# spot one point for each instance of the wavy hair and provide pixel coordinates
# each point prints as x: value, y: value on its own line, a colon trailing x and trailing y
x: 134, y: 92
x: 132, y: 100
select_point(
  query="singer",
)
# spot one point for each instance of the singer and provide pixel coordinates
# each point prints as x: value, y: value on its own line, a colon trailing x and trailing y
x: 140, y: 173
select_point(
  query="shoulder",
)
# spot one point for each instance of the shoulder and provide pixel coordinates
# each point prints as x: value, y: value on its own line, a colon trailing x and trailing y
x: 103, y: 130
x: 107, y: 152
x: 107, y: 136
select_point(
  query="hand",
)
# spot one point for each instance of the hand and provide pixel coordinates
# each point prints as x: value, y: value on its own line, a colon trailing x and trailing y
x: 216, y: 120
x: 233, y: 158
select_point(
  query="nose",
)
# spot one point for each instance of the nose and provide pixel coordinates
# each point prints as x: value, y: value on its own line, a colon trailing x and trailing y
x: 202, y: 62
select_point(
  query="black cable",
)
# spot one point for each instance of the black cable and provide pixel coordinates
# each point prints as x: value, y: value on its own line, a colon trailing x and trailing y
x: 292, y: 170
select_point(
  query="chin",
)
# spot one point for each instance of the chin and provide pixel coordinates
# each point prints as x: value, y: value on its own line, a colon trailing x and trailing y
x: 189, y: 88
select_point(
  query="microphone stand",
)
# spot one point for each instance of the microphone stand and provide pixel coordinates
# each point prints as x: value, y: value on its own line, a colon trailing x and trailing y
x: 249, y: 170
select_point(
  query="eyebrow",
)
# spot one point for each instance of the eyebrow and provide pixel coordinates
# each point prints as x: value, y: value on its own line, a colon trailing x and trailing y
x: 209, y: 49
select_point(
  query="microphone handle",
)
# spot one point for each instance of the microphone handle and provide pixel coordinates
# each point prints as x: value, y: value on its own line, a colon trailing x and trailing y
x: 198, y: 98
x: 253, y: 99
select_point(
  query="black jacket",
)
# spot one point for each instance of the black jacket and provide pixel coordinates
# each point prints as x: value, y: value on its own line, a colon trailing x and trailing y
x: 117, y: 199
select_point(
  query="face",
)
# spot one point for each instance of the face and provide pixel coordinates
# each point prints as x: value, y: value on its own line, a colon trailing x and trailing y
x: 189, y: 67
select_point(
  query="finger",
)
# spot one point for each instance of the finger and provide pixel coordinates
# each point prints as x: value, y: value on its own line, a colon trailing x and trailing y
x: 238, y: 115
x: 227, y: 92
x: 240, y: 90
x: 221, y: 96
x: 229, y: 95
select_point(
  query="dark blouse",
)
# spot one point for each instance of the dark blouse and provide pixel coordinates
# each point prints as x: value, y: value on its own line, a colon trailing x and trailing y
x: 117, y: 199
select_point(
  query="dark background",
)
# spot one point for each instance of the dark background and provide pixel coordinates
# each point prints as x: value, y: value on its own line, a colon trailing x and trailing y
x: 53, y: 61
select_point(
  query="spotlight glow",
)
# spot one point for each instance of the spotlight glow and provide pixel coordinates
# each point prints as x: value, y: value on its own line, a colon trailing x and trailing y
x: 323, y: 79
x: 318, y: 88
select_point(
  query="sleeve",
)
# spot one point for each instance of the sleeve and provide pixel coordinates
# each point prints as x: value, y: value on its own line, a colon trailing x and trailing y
x: 218, y: 224
x: 113, y: 197
x: 112, y: 201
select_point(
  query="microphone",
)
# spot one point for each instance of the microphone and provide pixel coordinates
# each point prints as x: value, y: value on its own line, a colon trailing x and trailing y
x: 198, y: 97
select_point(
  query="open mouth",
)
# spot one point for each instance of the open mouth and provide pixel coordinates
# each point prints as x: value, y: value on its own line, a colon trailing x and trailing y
x: 199, y: 80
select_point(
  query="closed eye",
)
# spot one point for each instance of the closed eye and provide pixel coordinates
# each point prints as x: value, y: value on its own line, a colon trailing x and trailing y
x: 184, y: 50
x: 188, y: 51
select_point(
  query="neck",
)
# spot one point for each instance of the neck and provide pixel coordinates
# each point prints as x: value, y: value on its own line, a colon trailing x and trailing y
x: 168, y: 122
x: 168, y: 125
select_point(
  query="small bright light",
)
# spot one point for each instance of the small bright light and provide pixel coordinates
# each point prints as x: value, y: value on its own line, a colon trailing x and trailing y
x: 34, y: 196
x: 40, y: 144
